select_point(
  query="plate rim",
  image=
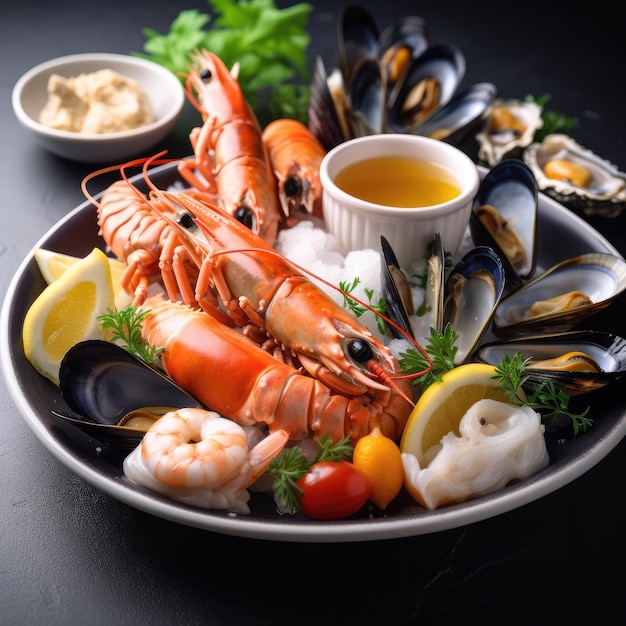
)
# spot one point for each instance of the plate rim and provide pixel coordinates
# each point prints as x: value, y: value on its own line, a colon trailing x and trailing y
x: 289, y: 530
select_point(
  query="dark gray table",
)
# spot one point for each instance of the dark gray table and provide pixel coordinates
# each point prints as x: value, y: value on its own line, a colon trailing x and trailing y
x: 71, y: 554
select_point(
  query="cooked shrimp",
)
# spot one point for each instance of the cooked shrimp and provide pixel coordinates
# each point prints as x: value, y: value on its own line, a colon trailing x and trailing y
x: 201, y: 458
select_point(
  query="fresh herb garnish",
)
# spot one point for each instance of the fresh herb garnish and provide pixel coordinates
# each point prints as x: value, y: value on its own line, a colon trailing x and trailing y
x: 545, y: 399
x: 269, y: 44
x: 548, y: 401
x: 357, y: 309
x: 126, y: 328
x: 291, y: 465
x: 553, y: 122
x: 441, y: 350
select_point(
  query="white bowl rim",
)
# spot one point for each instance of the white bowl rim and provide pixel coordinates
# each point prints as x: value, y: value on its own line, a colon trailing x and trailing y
x: 389, y: 211
x: 33, y: 124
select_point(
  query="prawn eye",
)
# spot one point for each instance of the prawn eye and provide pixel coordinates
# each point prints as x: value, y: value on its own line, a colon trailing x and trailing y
x: 186, y: 220
x: 292, y: 186
x: 246, y: 216
x: 360, y: 350
x: 205, y: 74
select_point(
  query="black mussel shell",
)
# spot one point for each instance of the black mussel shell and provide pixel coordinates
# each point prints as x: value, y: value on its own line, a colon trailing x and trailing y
x: 457, y: 120
x: 396, y: 291
x: 510, y: 187
x: 102, y: 382
x: 357, y: 35
x: 605, y: 350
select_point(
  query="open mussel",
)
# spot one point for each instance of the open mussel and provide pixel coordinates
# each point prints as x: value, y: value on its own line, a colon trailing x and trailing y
x: 400, y: 43
x: 457, y: 119
x: 504, y: 217
x: 357, y: 37
x: 576, y: 177
x: 398, y: 294
x: 430, y: 82
x: 115, y: 395
x: 473, y: 290
x: 575, y: 362
x: 392, y: 82
x: 562, y: 296
x: 368, y: 100
x: 396, y: 291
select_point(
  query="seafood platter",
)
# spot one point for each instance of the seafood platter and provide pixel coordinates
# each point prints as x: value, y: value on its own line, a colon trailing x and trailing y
x: 543, y: 297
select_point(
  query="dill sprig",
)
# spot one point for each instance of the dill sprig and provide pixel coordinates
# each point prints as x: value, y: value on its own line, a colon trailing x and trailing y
x: 126, y: 329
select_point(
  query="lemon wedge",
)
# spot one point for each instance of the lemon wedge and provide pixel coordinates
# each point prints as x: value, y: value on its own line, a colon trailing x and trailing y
x: 66, y: 312
x: 440, y: 408
x: 52, y: 265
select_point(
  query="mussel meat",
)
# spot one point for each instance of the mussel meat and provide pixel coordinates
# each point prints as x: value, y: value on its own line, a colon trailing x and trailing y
x: 562, y: 296
x: 575, y: 361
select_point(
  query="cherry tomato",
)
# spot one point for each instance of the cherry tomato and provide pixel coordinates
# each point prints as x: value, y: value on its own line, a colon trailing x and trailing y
x: 333, y: 490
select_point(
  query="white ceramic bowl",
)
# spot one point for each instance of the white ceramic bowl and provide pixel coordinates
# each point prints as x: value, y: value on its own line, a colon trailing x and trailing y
x: 163, y: 88
x: 359, y: 224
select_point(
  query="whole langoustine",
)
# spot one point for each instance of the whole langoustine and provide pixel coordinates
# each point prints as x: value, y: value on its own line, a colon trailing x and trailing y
x: 230, y: 161
x: 230, y: 374
x: 145, y: 241
x: 275, y: 303
x: 295, y: 154
x: 201, y: 458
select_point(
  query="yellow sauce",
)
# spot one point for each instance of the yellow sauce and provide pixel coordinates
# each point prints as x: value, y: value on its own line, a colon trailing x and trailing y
x: 403, y: 182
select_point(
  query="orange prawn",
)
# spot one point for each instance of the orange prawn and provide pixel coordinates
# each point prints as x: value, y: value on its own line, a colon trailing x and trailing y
x: 230, y: 374
x: 296, y: 154
x: 230, y: 161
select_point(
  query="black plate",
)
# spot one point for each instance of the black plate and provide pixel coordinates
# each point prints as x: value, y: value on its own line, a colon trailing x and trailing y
x: 561, y: 235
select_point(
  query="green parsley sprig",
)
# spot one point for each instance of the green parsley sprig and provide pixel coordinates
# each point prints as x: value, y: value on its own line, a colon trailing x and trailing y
x: 553, y: 121
x: 291, y: 465
x: 549, y: 402
x: 441, y: 350
x: 269, y: 44
x: 357, y: 309
x: 126, y: 329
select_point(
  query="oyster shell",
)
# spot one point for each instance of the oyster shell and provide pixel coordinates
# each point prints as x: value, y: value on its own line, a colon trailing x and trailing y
x: 562, y: 296
x: 576, y: 177
x: 509, y: 128
x: 575, y: 362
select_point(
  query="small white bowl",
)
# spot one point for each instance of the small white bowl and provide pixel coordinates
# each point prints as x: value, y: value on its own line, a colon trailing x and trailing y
x: 163, y: 88
x: 359, y: 224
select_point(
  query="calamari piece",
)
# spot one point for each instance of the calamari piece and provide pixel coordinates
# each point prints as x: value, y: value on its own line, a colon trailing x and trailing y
x: 499, y: 443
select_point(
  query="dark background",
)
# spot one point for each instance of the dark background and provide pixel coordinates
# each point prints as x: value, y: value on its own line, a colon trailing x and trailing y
x: 71, y: 554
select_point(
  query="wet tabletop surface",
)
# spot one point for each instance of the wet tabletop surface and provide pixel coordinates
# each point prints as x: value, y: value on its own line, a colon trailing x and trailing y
x: 69, y: 550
